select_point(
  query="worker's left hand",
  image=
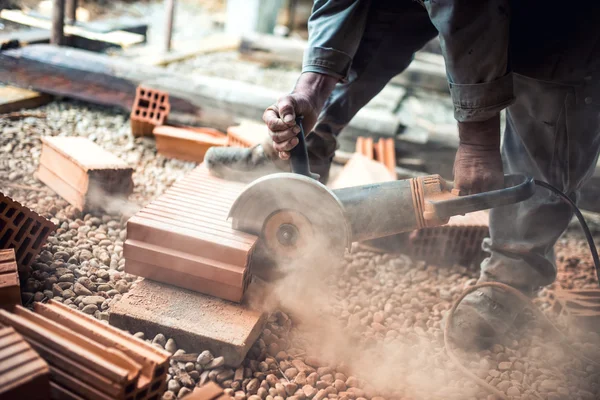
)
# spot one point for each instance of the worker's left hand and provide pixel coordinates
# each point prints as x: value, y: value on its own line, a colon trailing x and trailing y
x: 478, y: 163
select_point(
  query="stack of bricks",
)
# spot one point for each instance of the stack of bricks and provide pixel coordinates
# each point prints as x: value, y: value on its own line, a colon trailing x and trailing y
x: 88, y: 359
x: 189, y: 144
x: 24, y: 375
x: 383, y: 151
x: 183, y: 238
x: 23, y: 230
x: 247, y: 134
x: 82, y: 172
x: 150, y: 109
x: 10, y: 290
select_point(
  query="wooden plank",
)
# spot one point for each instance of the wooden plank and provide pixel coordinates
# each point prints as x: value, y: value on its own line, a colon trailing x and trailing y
x: 14, y: 99
x: 120, y: 38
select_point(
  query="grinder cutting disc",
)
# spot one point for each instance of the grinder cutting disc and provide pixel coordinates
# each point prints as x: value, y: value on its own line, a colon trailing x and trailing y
x: 296, y: 217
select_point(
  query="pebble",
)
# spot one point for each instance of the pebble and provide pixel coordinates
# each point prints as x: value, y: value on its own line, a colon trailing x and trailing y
x: 160, y: 340
x: 173, y: 386
x: 215, y: 363
x: 171, y: 347
x: 205, y: 358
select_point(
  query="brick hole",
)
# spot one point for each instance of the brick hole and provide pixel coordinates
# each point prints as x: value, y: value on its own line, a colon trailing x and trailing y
x: 141, y: 394
x: 151, y: 115
x: 5, y: 238
x: 159, y: 371
x: 162, y: 98
x: 27, y: 258
x: 155, y: 96
x: 142, y: 92
x: 22, y: 250
x: 144, y: 103
x: 155, y: 386
x: 10, y: 212
x: 144, y: 114
x: 130, y: 388
x: 155, y: 397
x: 35, y: 228
x: 137, y: 112
x: 158, y: 115
x: 2, y: 224
x: 19, y: 218
x: 2, y: 207
x: 23, y: 228
x: 38, y: 240
x: 129, y: 398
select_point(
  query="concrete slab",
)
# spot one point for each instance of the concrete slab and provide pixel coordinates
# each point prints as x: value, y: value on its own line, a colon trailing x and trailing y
x: 197, y: 322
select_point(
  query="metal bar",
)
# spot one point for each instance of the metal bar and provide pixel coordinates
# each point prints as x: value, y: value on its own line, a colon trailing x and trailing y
x: 71, y: 11
x: 58, y: 23
x: 170, y: 15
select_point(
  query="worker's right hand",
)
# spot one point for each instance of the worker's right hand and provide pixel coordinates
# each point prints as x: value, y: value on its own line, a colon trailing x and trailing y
x: 478, y: 163
x: 307, y: 100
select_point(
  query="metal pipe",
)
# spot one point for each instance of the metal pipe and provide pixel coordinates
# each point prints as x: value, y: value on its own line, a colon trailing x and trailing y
x: 170, y: 15
x: 57, y: 36
x: 71, y: 11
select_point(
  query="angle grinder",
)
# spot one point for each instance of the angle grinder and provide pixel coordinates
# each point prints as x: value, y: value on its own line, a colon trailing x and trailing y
x: 298, y: 219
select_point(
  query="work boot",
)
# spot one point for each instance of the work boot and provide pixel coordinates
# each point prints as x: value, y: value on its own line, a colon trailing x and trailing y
x: 247, y: 164
x: 483, y: 316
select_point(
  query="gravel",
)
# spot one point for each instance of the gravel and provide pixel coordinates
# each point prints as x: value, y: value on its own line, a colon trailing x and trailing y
x: 374, y: 332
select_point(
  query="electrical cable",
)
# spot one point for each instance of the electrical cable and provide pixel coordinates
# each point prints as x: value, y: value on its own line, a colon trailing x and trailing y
x: 524, y: 299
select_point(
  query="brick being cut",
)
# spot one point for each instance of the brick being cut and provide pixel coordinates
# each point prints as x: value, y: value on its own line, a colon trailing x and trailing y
x: 89, y: 359
x: 82, y: 172
x: 183, y: 238
x: 23, y: 230
x: 24, y: 375
x: 10, y: 289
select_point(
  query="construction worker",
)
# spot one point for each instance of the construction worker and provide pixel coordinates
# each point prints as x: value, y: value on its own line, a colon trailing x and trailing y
x: 538, y: 61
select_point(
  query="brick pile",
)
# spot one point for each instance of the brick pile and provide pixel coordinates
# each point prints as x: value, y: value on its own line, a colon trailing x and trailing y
x: 150, y: 109
x: 10, y: 290
x: 87, y: 358
x: 383, y: 151
x: 183, y: 238
x: 82, y: 172
x: 23, y: 230
x: 24, y: 375
x: 189, y: 144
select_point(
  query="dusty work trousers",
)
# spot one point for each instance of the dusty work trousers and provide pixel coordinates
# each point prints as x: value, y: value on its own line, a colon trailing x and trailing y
x: 552, y: 134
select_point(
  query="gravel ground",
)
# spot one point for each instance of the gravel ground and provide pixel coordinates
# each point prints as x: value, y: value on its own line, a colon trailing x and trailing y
x: 370, y: 329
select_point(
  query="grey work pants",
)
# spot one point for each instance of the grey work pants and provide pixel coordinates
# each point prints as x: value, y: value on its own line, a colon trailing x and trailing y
x: 552, y: 134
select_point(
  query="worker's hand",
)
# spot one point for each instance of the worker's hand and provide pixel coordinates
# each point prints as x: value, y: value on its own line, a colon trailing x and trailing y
x: 307, y: 100
x: 478, y: 164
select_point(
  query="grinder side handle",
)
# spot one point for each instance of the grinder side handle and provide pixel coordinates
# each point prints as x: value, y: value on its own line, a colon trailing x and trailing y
x: 299, y: 155
x: 516, y: 189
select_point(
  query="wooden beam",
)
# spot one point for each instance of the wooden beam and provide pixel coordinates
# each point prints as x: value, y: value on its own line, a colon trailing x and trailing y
x: 118, y: 37
x: 71, y: 11
x: 58, y: 23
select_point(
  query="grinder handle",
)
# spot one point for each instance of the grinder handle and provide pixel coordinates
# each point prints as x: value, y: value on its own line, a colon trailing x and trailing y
x: 516, y: 188
x: 299, y: 155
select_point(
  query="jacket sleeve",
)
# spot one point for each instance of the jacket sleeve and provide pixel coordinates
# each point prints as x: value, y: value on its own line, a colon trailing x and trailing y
x: 474, y: 35
x: 335, y: 28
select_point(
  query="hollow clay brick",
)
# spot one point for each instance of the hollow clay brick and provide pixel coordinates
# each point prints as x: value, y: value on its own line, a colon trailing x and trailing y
x: 189, y: 144
x: 183, y: 238
x: 385, y: 153
x: 247, y: 134
x: 154, y: 362
x: 78, y: 363
x: 82, y: 172
x: 23, y: 373
x: 23, y: 230
x: 193, y: 320
x: 10, y: 291
x: 150, y: 109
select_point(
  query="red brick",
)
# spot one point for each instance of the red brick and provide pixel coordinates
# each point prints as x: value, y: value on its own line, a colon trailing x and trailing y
x: 23, y: 373
x: 189, y: 144
x: 10, y: 291
x: 385, y: 153
x: 23, y: 230
x: 150, y: 109
x: 184, y: 239
x: 82, y: 172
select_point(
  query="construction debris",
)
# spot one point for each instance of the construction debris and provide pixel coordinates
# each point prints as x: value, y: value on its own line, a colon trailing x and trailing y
x: 10, y: 289
x: 23, y: 230
x: 150, y: 109
x: 183, y: 238
x: 247, y: 134
x: 82, y: 172
x: 189, y: 144
x: 193, y: 320
x: 88, y: 358
x: 24, y: 375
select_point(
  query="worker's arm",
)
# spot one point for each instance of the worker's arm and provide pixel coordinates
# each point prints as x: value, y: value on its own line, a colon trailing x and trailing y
x: 474, y: 35
x: 335, y: 29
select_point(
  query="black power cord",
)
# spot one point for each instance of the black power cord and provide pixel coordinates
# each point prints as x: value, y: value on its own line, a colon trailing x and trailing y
x: 584, y: 226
